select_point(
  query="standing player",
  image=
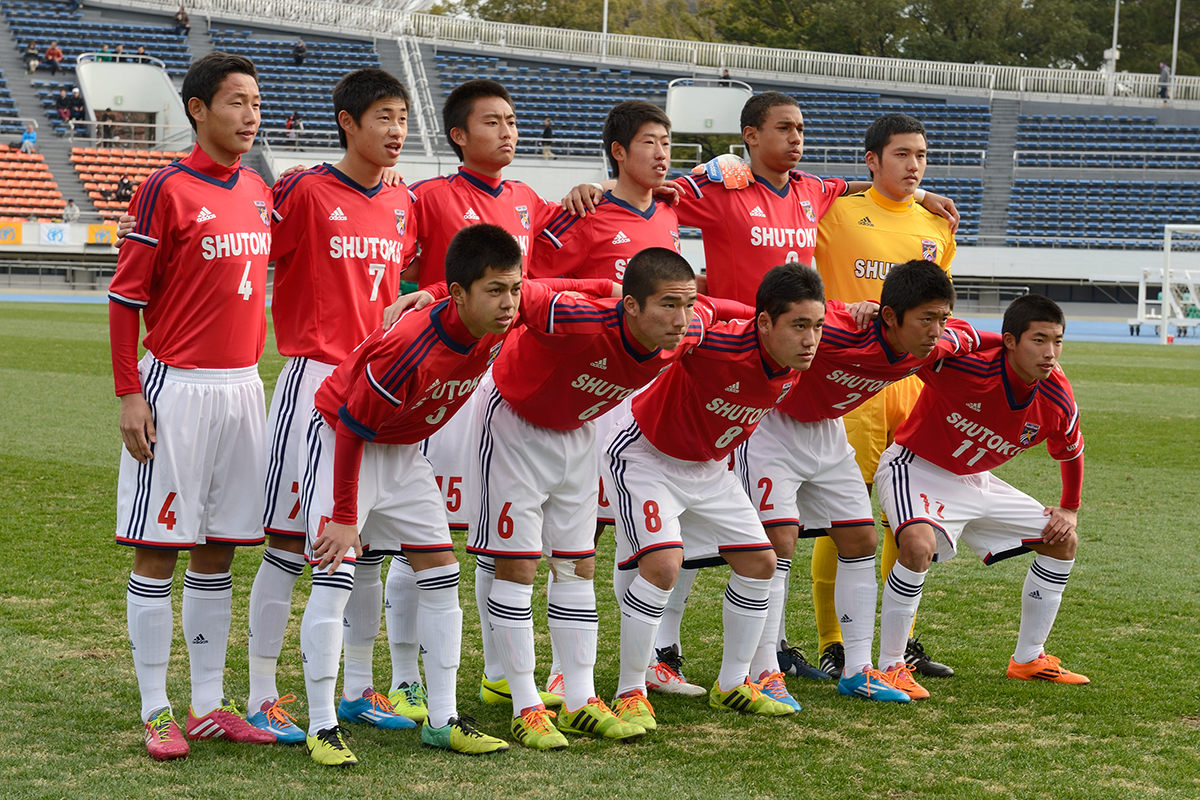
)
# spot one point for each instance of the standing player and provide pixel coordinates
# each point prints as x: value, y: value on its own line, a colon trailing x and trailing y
x: 676, y: 497
x: 936, y: 485
x: 192, y: 410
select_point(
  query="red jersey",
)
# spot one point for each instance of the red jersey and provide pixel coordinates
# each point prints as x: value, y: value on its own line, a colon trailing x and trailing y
x: 601, y: 244
x: 852, y: 365
x: 449, y: 202
x: 708, y: 403
x: 339, y: 249
x: 748, y: 231
x: 581, y: 360
x: 196, y: 265
x: 974, y: 414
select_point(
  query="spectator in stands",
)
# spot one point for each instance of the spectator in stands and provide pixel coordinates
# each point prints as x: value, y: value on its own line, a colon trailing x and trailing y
x: 725, y: 81
x: 299, y: 52
x: 76, y: 104
x: 547, y: 137
x: 32, y: 62
x: 71, y: 212
x: 1164, y: 81
x: 54, y: 57
x: 105, y: 54
x: 142, y: 56
x: 183, y: 25
x: 293, y: 126
x: 125, y: 188
x: 119, y: 53
x: 62, y: 104
x: 106, y: 118
x: 29, y: 139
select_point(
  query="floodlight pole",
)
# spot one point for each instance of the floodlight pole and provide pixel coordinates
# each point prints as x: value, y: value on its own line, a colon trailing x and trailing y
x: 604, y: 34
x: 1175, y: 50
x: 1111, y: 56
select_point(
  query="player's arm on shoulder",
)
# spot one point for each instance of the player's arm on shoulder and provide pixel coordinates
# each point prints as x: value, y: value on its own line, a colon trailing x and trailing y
x: 940, y: 205
x: 724, y: 310
x: 728, y: 169
x: 583, y: 198
x: 414, y: 300
x: 864, y: 312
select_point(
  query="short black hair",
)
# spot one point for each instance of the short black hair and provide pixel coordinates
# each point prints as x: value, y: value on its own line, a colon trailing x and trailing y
x: 624, y: 122
x: 1028, y: 309
x: 205, y: 75
x: 359, y: 90
x: 787, y: 284
x: 651, y: 268
x: 913, y: 284
x: 461, y: 103
x: 758, y: 107
x: 881, y: 131
x: 475, y: 248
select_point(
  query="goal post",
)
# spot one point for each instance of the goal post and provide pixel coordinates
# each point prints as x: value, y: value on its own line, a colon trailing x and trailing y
x: 1180, y: 278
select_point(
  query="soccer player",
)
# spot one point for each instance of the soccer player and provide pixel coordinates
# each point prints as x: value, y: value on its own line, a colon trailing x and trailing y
x: 192, y: 410
x: 800, y: 472
x: 341, y: 239
x: 677, y: 499
x: 365, y: 473
x: 935, y: 483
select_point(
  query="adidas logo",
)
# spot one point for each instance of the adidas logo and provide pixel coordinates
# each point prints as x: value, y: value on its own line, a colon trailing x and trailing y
x: 733, y: 388
x: 866, y: 222
x: 387, y: 603
x: 601, y: 364
x: 621, y: 238
x: 471, y: 215
x: 845, y: 619
x: 757, y: 212
x: 337, y: 215
x: 205, y: 215
x: 345, y: 622
x: 421, y: 649
x: 1035, y: 594
x: 199, y: 639
x: 975, y: 406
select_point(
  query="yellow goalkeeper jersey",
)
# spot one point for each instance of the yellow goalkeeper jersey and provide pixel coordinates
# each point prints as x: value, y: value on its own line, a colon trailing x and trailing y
x: 863, y: 235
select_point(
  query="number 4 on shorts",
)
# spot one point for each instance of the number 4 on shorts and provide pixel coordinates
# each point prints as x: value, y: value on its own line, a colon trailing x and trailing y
x: 165, y: 515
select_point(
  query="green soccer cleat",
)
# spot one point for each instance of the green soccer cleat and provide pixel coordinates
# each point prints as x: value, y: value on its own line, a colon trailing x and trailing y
x: 634, y: 707
x: 408, y: 700
x: 749, y: 698
x: 535, y: 730
x: 497, y: 693
x: 595, y: 719
x: 460, y: 736
x: 329, y: 748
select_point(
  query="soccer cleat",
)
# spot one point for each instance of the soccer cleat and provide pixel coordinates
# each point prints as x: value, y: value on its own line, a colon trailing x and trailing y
x: 634, y: 707
x: 871, y: 684
x: 535, y: 730
x: 497, y: 693
x: 922, y: 664
x: 224, y: 722
x: 554, y: 685
x: 329, y: 748
x: 901, y: 677
x: 833, y: 660
x: 772, y: 686
x: 408, y: 700
x: 595, y: 719
x: 749, y: 698
x: 271, y: 717
x: 793, y: 662
x: 460, y: 736
x: 666, y: 676
x: 1045, y: 668
x: 375, y: 709
x: 164, y: 740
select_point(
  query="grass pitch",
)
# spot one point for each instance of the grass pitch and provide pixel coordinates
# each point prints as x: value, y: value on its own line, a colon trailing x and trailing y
x: 68, y: 711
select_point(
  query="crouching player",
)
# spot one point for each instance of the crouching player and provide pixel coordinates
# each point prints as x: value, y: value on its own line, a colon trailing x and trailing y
x: 934, y: 481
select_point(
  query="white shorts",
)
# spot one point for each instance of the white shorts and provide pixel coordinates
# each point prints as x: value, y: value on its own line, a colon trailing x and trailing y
x: 204, y: 484
x: 994, y: 519
x: 399, y: 505
x: 537, y: 487
x: 604, y: 426
x: 663, y: 502
x: 450, y: 450
x: 291, y: 411
x: 803, y: 473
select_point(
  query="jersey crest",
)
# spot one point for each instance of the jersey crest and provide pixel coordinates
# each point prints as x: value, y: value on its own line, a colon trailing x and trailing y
x: 523, y: 211
x: 261, y: 205
x: 399, y: 221
x: 675, y: 241
x: 928, y: 250
x: 1029, y: 433
x: 783, y: 392
x: 495, y: 352
x: 808, y: 211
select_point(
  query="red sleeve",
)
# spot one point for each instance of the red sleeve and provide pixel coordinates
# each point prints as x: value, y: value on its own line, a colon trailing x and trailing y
x: 544, y: 213
x: 699, y: 201
x: 288, y: 218
x: 959, y: 339
x: 1072, y: 483
x: 988, y: 339
x: 347, y: 459
x: 834, y: 188
x: 726, y: 310
x: 123, y: 329
x: 439, y: 290
x: 591, y: 287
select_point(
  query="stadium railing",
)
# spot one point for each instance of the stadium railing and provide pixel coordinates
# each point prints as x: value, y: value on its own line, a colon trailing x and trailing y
x: 93, y: 133
x: 1104, y: 159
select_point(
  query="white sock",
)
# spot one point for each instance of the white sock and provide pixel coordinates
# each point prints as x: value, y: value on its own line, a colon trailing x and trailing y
x: 555, y: 661
x: 485, y: 576
x: 854, y: 593
x: 270, y: 605
x: 1040, y: 599
x: 574, y: 626
x: 743, y: 612
x: 361, y: 626
x: 783, y: 566
x: 321, y: 643
x: 400, y: 608
x: 439, y: 629
x: 641, y: 609
x: 901, y: 596
x: 672, y: 618
x: 765, y: 658
x: 510, y: 613
x: 151, y: 626
x: 207, y: 610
